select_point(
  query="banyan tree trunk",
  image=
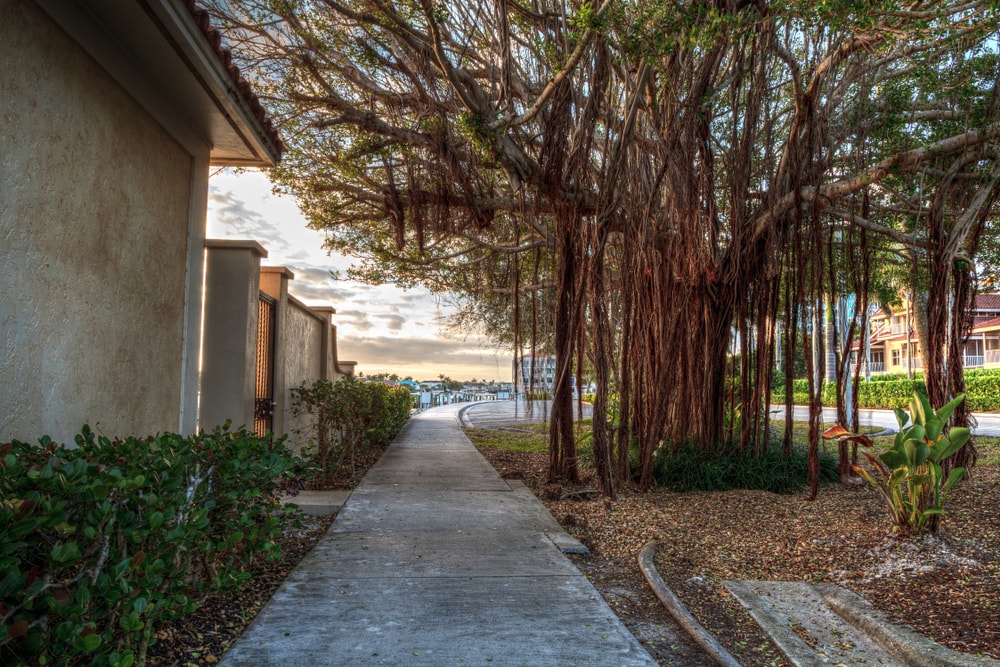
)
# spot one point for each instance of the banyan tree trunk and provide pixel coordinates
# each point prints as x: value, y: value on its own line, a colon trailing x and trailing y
x: 562, y: 446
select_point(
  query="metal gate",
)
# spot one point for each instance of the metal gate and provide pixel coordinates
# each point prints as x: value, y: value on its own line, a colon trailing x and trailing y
x: 264, y: 394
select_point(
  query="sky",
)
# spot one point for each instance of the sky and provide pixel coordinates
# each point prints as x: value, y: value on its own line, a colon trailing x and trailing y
x: 384, y: 328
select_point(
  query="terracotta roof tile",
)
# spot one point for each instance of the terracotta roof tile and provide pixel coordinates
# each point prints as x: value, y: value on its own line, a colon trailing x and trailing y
x: 988, y: 301
x: 987, y: 323
x: 214, y: 38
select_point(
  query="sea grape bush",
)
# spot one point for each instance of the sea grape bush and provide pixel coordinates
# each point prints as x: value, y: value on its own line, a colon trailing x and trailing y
x: 100, y: 542
x: 348, y: 415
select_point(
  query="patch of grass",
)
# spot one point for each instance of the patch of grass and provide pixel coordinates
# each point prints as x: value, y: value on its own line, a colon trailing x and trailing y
x: 521, y: 437
x: 510, y: 440
x: 988, y: 448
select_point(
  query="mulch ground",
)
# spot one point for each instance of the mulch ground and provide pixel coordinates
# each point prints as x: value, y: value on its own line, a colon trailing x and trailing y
x: 946, y: 587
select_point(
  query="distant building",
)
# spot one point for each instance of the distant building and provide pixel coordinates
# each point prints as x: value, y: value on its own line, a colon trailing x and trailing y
x: 534, y: 372
x: 894, y: 347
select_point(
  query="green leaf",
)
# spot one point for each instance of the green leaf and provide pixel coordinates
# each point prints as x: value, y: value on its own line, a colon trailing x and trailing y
x: 131, y: 623
x: 933, y: 428
x: 893, y: 458
x: 914, y: 455
x: 89, y: 643
x: 916, y: 410
x: 64, y: 553
x: 957, y: 438
x: 916, y: 432
x: 924, y: 405
x: 944, y: 413
x: 901, y: 418
x: 953, y: 477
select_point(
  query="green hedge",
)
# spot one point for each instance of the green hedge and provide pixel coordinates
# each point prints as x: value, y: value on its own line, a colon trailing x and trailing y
x: 982, y: 391
x: 894, y: 391
x: 349, y: 415
x: 100, y: 542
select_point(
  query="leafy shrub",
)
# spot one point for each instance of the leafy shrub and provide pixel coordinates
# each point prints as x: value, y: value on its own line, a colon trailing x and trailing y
x: 982, y: 390
x: 689, y: 468
x: 909, y: 475
x: 100, y: 542
x: 350, y: 415
x: 893, y: 390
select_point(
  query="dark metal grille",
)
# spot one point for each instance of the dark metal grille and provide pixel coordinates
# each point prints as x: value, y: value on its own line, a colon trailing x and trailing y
x: 264, y: 395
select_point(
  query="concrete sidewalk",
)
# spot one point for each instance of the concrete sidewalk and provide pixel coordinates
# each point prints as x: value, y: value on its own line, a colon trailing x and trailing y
x: 436, y: 560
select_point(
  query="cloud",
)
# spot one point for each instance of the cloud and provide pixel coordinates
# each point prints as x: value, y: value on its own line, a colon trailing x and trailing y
x: 382, y: 327
x: 424, y: 358
x: 392, y: 322
x: 240, y: 221
x: 355, y: 319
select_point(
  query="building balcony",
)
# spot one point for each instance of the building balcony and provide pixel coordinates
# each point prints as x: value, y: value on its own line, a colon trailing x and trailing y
x: 973, y: 361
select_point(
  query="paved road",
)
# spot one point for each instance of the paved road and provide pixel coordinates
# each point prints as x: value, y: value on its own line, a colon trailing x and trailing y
x: 498, y: 413
x: 490, y: 414
x: 436, y: 560
x: 987, y: 423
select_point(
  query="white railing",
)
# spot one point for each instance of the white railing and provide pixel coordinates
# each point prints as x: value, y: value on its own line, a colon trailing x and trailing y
x: 897, y: 328
x: 972, y: 361
x: 874, y: 367
x: 993, y: 356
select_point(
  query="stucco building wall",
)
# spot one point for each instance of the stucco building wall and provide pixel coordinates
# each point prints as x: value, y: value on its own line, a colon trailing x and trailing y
x: 94, y: 227
x: 232, y: 299
x: 302, y: 344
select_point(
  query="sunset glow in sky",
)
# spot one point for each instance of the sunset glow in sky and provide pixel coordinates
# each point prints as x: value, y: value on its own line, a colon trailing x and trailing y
x: 383, y: 328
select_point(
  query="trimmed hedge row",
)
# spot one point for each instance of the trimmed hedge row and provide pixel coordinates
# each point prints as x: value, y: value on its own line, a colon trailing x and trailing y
x: 349, y: 415
x: 982, y: 390
x: 101, y: 542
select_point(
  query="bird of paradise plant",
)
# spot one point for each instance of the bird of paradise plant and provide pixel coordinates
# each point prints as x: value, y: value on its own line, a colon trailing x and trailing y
x: 909, y: 475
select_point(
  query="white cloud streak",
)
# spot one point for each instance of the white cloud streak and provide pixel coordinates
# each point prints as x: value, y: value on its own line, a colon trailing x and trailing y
x: 383, y: 328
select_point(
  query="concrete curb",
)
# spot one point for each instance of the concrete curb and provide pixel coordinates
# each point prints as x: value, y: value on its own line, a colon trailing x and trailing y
x: 464, y: 421
x: 791, y: 646
x: 318, y: 503
x: 563, y: 541
x: 912, y: 648
x: 679, y: 612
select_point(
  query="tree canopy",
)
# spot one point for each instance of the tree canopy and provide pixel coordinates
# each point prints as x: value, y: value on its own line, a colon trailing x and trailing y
x: 649, y: 186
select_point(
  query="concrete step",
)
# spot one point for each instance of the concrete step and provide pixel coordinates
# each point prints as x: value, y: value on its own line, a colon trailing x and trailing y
x: 318, y: 503
x: 825, y: 624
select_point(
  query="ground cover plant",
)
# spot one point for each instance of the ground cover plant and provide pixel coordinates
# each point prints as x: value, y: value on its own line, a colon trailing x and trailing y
x: 945, y: 586
x: 104, y: 541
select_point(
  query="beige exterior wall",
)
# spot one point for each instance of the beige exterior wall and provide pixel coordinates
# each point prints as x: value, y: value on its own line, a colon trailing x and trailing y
x: 94, y: 232
x: 301, y: 341
x: 232, y: 301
